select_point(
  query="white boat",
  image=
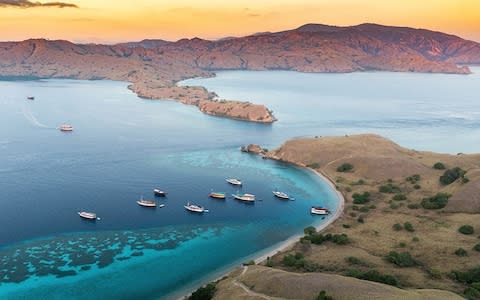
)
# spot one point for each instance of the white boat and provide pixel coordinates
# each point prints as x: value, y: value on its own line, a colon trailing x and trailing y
x: 281, y: 195
x: 159, y: 193
x: 66, y: 127
x: 194, y: 208
x: 88, y: 215
x: 317, y: 210
x: 244, y: 197
x: 234, y: 181
x: 147, y: 203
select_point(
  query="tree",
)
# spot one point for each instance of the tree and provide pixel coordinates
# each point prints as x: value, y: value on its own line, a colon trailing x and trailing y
x: 438, y: 201
x: 345, y: 167
x: 439, y: 166
x: 451, y: 175
x: 466, y: 229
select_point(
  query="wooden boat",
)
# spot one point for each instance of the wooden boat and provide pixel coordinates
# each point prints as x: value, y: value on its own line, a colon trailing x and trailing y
x: 281, y: 195
x: 195, y: 208
x: 244, y: 197
x: 317, y: 210
x: 66, y: 127
x: 30, y: 98
x: 146, y: 203
x: 234, y: 181
x: 217, y: 195
x: 159, y: 193
x: 88, y: 215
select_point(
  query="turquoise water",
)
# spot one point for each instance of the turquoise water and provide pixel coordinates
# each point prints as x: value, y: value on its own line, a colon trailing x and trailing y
x: 122, y: 147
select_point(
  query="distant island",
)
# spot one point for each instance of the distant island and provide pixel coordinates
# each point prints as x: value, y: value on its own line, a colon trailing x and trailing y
x: 154, y: 67
x: 409, y: 229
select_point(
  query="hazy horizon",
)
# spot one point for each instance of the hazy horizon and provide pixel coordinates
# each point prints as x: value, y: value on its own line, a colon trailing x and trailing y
x: 89, y: 21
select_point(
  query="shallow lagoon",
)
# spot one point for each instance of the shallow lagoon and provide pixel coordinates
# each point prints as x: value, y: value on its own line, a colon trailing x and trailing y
x: 123, y: 146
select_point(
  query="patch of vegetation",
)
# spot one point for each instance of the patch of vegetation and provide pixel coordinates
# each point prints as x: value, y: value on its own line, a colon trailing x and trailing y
x: 373, y: 275
x: 451, y: 175
x: 477, y: 247
x: 346, y: 225
x: 205, y: 292
x: 356, y: 261
x: 394, y: 206
x: 361, y: 219
x: 461, y: 252
x: 471, y: 278
x: 399, y: 197
x: 314, y: 165
x: 348, y: 189
x: 345, y: 167
x: 249, y: 263
x: 417, y: 186
x: 415, y: 239
x: 434, y: 273
x: 309, y: 230
x: 465, y: 180
x: 413, y: 205
x: 323, y: 296
x: 318, y: 238
x: 413, y: 179
x: 466, y: 229
x: 402, y: 244
x: 397, y: 227
x: 361, y: 198
x: 269, y: 262
x: 438, y: 201
x: 389, y: 189
x: 352, y: 214
x: 402, y: 260
x: 359, y: 182
x: 439, y: 166
x: 294, y: 260
x: 408, y: 227
x: 364, y: 209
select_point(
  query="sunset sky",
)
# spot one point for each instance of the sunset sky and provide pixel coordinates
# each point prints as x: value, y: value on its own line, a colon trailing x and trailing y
x: 102, y: 21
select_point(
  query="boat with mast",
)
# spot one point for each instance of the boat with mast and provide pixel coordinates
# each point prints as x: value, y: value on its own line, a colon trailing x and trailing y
x: 195, y: 208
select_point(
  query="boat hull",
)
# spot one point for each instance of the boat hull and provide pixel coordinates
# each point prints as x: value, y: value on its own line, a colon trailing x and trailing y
x: 281, y: 195
x: 319, y: 211
x: 147, y: 204
x: 217, y: 195
x: 159, y: 193
x: 87, y: 215
x: 245, y: 197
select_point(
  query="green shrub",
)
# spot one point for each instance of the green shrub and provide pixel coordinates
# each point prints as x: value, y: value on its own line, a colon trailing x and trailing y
x: 355, y: 261
x: 361, y: 198
x: 438, y: 201
x: 403, y: 259
x: 415, y: 239
x: 402, y: 244
x: 294, y: 260
x: 346, y: 225
x: 451, y: 175
x: 364, y: 209
x: 465, y: 180
x: 461, y: 252
x: 417, y: 186
x: 372, y: 275
x: 477, y: 247
x: 399, y: 197
x: 345, y: 167
x: 204, y: 293
x: 389, y: 189
x: 361, y: 220
x: 408, y: 226
x: 269, y: 262
x: 323, y: 296
x: 249, y: 263
x: 394, y: 206
x: 309, y: 230
x: 472, y: 293
x: 439, y: 166
x: 413, y: 205
x: 314, y: 165
x: 348, y: 189
x: 469, y: 276
x: 397, y: 227
x: 466, y: 229
x: 360, y: 182
x: 352, y: 214
x: 413, y: 179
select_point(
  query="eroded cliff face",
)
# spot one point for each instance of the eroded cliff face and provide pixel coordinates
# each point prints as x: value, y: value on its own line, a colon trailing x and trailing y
x: 154, y: 67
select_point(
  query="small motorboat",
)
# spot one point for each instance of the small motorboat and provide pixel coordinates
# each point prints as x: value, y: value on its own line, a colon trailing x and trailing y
x: 281, y: 195
x: 159, y: 193
x: 317, y: 210
x: 88, y: 215
x: 66, y: 127
x: 217, y: 195
x: 146, y: 203
x: 244, y: 197
x: 30, y: 98
x: 234, y: 181
x: 195, y: 208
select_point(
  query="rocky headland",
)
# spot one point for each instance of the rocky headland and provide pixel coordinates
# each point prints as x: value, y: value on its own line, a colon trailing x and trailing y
x: 154, y: 67
x: 410, y: 224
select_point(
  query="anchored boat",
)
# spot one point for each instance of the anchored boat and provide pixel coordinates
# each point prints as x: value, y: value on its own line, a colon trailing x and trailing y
x: 234, y: 181
x: 195, y: 208
x: 244, y: 197
x: 159, y: 193
x: 217, y: 195
x: 66, y: 127
x: 317, y: 210
x: 146, y: 203
x: 281, y: 195
x: 88, y: 215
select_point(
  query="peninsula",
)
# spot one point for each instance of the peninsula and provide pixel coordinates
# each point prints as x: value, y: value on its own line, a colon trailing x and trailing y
x: 410, y: 224
x: 154, y: 67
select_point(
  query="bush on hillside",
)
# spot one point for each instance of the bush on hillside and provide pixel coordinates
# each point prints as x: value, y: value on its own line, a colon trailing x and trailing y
x: 439, y: 166
x: 389, y: 189
x: 438, y: 201
x: 361, y: 198
x: 451, y: 175
x: 345, y: 167
x: 403, y: 259
x: 204, y: 293
x: 466, y: 229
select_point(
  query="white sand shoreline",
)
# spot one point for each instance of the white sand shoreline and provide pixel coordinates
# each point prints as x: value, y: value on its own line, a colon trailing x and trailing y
x: 290, y: 242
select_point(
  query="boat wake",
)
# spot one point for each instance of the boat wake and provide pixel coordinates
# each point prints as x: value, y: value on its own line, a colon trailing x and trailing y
x: 27, y: 113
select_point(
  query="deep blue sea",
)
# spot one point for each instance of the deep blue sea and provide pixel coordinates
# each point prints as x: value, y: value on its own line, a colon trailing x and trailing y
x: 123, y: 147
